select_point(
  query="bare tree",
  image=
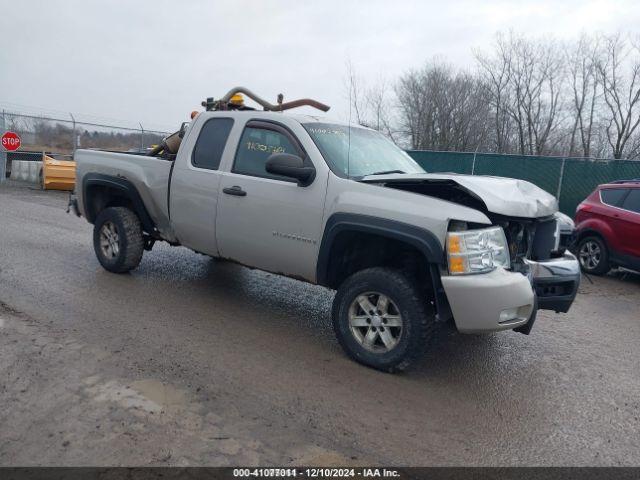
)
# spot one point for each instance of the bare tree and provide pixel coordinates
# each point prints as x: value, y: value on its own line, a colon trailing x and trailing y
x: 495, y: 72
x: 619, y: 72
x: 371, y: 105
x: 524, y: 79
x: 582, y: 60
x: 379, y: 100
x: 412, y: 99
x: 354, y: 95
x: 527, y: 96
x: 442, y: 109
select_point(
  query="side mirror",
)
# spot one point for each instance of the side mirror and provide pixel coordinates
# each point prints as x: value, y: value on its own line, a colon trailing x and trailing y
x: 292, y: 166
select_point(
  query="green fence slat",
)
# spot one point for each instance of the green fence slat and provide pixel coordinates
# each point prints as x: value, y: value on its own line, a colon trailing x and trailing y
x: 456, y: 162
x: 543, y: 172
x: 580, y: 177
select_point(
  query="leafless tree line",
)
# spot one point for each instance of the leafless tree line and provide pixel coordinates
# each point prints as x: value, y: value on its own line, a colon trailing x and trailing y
x: 525, y: 96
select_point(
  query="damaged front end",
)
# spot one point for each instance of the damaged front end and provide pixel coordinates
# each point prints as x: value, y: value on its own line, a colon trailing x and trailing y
x: 526, y: 213
x: 536, y: 251
x: 529, y: 239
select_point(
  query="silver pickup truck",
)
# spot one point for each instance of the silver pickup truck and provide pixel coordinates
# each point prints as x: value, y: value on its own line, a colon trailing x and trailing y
x: 340, y: 206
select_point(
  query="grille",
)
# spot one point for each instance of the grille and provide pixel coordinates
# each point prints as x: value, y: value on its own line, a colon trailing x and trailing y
x: 530, y: 239
x: 544, y: 240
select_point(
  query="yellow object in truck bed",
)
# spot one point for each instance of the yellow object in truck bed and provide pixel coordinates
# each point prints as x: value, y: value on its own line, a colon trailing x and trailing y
x: 58, y: 174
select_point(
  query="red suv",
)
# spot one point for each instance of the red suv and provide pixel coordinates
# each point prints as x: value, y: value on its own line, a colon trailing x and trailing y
x: 608, y: 228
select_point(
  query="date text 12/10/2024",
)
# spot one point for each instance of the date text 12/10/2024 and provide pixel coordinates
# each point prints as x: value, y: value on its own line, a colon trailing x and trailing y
x: 316, y: 472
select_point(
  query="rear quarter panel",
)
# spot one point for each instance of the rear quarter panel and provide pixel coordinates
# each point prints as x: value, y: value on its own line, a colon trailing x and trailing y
x: 149, y: 175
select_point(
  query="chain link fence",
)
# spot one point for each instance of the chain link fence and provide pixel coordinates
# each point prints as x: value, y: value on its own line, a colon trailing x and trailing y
x: 64, y: 135
x: 571, y: 180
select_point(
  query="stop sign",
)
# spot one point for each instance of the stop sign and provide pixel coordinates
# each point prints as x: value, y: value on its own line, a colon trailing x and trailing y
x: 10, y: 141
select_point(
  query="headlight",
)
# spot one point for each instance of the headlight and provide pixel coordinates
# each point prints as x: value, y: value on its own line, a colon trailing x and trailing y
x: 477, y: 251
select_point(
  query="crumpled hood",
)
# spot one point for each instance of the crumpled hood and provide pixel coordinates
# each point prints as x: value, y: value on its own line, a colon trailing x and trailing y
x: 504, y: 196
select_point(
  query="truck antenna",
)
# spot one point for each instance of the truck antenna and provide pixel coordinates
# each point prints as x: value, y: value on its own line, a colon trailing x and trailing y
x: 349, y: 132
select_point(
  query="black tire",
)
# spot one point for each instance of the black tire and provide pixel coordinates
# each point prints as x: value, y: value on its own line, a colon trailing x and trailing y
x: 417, y: 317
x: 129, y: 240
x: 587, y: 264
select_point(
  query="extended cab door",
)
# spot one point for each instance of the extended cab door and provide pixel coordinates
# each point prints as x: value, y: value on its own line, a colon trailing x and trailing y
x: 266, y: 221
x: 195, y: 180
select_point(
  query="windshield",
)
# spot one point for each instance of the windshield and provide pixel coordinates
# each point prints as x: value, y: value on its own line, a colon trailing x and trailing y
x: 360, y: 152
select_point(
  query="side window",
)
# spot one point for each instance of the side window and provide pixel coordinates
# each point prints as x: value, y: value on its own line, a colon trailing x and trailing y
x: 210, y: 144
x: 612, y: 196
x: 632, y: 202
x: 255, y: 147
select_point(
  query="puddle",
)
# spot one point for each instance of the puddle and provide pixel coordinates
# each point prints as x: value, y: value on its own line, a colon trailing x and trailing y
x: 150, y: 396
x: 125, y: 396
x: 160, y: 393
x: 92, y: 380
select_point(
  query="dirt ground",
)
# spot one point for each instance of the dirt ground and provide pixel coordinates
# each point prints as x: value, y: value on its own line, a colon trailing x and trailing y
x: 190, y: 361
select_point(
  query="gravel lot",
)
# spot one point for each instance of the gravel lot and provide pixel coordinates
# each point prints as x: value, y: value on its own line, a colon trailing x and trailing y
x: 190, y: 361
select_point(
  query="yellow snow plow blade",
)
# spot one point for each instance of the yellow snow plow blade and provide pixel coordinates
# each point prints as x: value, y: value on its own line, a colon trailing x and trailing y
x: 58, y: 174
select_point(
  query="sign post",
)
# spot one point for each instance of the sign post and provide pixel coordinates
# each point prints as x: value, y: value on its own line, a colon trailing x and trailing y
x: 3, y: 155
x: 9, y: 142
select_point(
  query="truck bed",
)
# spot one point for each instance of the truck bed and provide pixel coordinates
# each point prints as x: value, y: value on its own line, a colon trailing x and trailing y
x: 150, y: 176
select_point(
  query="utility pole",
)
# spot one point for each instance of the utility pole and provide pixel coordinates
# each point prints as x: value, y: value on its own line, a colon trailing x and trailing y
x: 141, y: 137
x: 74, y: 142
x: 473, y: 164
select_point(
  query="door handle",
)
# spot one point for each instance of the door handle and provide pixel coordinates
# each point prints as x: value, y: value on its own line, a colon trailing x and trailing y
x: 235, y: 190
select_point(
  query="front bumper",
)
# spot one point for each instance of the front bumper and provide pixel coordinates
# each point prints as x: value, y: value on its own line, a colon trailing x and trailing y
x: 555, y: 281
x: 503, y: 300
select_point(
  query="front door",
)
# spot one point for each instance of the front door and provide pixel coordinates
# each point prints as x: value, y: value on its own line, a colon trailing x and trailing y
x: 266, y: 221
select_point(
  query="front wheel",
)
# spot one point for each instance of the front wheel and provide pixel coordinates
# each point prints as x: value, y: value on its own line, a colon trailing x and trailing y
x: 381, y: 319
x: 117, y: 239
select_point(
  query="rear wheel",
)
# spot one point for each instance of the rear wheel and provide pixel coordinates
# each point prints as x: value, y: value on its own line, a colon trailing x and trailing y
x: 593, y: 255
x: 118, y: 240
x: 381, y: 319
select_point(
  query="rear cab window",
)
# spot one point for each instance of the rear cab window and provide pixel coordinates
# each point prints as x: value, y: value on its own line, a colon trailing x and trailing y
x: 612, y: 196
x: 211, y: 142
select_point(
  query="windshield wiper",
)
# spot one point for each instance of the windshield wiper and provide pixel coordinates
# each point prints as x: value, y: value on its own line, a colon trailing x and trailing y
x: 385, y: 172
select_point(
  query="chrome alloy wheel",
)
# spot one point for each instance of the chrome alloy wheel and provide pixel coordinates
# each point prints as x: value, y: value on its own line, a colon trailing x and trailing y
x: 590, y: 255
x: 375, y: 322
x: 109, y: 240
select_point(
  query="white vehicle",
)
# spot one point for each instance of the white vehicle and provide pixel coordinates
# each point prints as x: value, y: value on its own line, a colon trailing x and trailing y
x: 341, y: 206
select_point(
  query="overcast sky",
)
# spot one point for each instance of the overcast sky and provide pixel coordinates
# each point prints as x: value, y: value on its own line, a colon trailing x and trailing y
x: 154, y: 61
